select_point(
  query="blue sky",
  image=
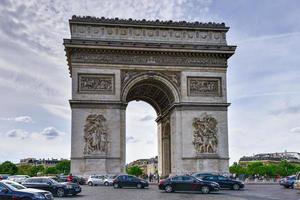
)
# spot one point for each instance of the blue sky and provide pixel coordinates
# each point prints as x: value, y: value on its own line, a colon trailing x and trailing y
x: 263, y: 75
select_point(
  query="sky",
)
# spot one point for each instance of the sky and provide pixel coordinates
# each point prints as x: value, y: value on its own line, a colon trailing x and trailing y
x: 263, y: 75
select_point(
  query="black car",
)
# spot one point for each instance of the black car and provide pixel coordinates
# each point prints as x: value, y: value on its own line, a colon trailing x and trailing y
x: 187, y: 183
x: 288, y: 182
x: 129, y: 181
x: 10, y: 190
x: 225, y: 182
x: 201, y: 175
x: 76, y: 179
x: 48, y: 184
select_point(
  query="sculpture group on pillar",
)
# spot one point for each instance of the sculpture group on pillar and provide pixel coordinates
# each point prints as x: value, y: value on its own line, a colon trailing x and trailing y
x: 95, y: 134
x: 205, y: 134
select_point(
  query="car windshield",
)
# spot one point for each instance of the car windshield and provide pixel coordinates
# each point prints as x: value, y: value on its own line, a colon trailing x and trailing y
x: 53, y: 181
x: 14, y: 185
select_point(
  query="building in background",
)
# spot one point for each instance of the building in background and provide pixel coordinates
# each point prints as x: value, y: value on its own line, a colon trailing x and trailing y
x: 35, y: 162
x: 149, y: 166
x: 292, y: 157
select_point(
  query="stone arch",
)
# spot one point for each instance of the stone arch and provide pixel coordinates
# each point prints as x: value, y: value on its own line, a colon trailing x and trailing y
x: 153, y: 88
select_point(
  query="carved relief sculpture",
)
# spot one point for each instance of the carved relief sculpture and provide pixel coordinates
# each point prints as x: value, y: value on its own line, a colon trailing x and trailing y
x: 205, y: 134
x: 96, y: 83
x: 95, y: 134
x: 204, y: 86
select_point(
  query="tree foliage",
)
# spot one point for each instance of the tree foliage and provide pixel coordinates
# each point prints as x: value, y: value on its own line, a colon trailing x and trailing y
x: 283, y: 168
x: 134, y: 170
x: 8, y: 168
x: 63, y: 166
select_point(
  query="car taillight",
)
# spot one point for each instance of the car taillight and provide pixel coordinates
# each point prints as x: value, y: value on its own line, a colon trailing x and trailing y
x: 162, y: 181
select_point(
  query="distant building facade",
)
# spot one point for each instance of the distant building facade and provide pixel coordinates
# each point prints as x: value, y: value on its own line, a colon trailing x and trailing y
x: 149, y: 166
x: 292, y: 157
x: 35, y: 162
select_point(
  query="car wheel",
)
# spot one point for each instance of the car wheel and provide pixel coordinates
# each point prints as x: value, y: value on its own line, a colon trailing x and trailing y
x: 116, y: 185
x: 60, y: 192
x: 236, y: 187
x: 90, y: 183
x: 139, y: 186
x: 106, y: 183
x: 205, y: 190
x: 169, y: 189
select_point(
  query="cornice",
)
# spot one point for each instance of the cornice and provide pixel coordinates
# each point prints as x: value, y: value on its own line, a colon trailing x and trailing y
x: 144, y: 22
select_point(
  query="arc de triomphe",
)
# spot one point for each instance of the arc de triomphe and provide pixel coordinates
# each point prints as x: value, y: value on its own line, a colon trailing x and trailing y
x: 177, y: 67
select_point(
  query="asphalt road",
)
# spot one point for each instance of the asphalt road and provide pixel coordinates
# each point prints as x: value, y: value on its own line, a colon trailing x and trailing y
x: 251, y: 192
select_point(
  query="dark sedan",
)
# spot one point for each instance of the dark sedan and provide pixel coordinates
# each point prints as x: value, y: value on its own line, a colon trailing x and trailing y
x: 129, y: 181
x: 48, y: 184
x: 187, y: 183
x: 225, y: 182
x: 288, y: 182
x: 10, y: 190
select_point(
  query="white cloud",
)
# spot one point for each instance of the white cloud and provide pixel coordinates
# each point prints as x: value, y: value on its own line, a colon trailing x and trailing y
x: 51, y: 133
x: 295, y: 130
x: 18, y: 133
x: 23, y: 119
x: 147, y: 118
x: 58, y: 110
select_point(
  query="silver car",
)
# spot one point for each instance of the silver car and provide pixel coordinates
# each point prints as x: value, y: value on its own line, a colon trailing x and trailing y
x: 18, y: 178
x: 100, y: 180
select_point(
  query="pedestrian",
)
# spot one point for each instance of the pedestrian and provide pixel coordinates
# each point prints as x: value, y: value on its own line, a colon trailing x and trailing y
x: 70, y: 178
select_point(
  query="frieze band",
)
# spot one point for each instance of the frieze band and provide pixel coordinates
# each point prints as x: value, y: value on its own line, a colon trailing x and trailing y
x: 148, y: 58
x: 96, y: 83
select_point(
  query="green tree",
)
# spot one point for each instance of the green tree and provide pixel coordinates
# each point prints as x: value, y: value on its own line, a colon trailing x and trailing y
x: 8, y: 168
x: 51, y: 170
x: 37, y: 169
x: 63, y: 167
x: 237, y: 169
x: 24, y: 169
x: 134, y: 170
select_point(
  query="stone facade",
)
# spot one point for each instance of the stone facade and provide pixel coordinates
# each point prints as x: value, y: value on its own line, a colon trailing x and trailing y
x: 177, y: 67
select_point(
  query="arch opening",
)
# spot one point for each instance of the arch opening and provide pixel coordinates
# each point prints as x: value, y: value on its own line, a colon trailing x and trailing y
x: 161, y: 97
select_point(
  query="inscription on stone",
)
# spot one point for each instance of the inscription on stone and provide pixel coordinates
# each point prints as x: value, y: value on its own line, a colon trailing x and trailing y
x: 204, y: 86
x: 96, y: 83
x: 205, y: 134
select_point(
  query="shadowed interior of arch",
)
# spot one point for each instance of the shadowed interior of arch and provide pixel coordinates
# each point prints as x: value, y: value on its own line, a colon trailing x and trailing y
x: 153, y: 92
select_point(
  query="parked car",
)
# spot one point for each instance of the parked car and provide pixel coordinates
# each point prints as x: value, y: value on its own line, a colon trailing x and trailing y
x: 4, y: 176
x: 201, y: 175
x: 297, y: 182
x: 288, y: 182
x: 56, y: 188
x: 129, y: 181
x: 76, y: 179
x: 187, y: 183
x: 13, y: 190
x: 100, y: 180
x: 18, y: 178
x: 225, y: 182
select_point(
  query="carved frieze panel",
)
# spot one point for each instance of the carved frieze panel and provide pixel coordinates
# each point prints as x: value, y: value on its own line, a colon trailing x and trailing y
x: 95, y: 135
x: 96, y: 83
x: 204, y: 86
x: 205, y: 138
x: 139, y: 58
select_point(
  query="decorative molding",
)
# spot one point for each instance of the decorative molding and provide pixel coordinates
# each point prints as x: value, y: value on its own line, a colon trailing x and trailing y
x: 95, y: 135
x: 204, y: 86
x: 91, y: 19
x: 96, y: 83
x: 136, y: 30
x: 148, y: 58
x: 205, y: 134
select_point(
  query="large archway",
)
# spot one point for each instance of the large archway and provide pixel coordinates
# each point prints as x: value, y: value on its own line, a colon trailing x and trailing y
x: 177, y: 67
x: 159, y: 92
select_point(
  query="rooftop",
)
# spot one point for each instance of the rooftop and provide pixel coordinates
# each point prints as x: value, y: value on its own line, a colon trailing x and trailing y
x: 170, y: 23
